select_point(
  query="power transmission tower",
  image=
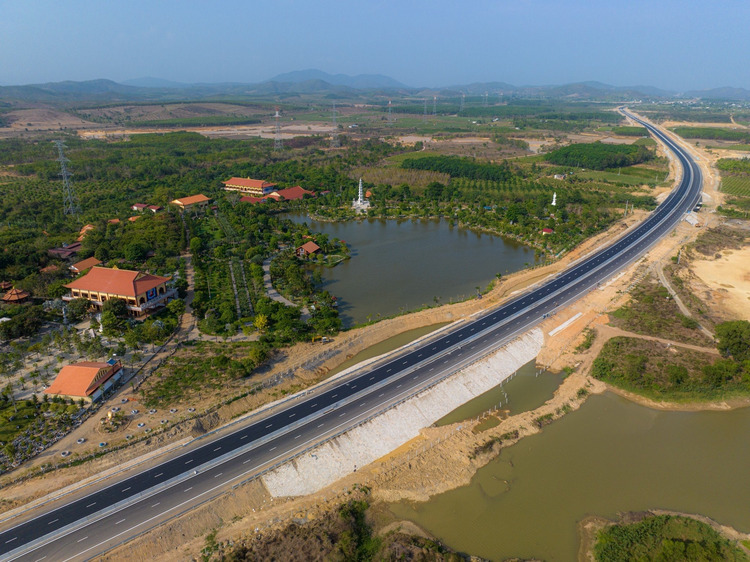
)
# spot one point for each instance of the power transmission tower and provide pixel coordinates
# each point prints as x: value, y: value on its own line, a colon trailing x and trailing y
x: 335, y: 136
x: 463, y: 101
x: 486, y: 94
x: 434, y: 105
x: 390, y: 114
x: 70, y: 201
x: 277, y: 144
x: 424, y: 118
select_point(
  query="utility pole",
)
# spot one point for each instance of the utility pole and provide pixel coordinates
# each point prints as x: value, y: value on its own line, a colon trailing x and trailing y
x: 277, y: 143
x: 70, y: 201
x: 335, y: 135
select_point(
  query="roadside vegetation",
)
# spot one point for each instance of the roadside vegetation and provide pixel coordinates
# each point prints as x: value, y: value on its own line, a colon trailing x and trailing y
x: 672, y: 373
x: 665, y: 537
x: 342, y: 534
x: 652, y: 311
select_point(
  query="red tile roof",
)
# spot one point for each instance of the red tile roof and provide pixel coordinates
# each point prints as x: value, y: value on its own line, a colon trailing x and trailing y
x: 15, y: 295
x: 192, y: 200
x: 113, y: 221
x: 309, y: 247
x: 247, y: 182
x: 253, y: 200
x: 80, y: 379
x: 138, y: 206
x: 296, y: 192
x: 83, y: 265
x: 122, y: 282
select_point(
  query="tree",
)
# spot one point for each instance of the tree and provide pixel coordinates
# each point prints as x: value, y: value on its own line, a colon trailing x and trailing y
x: 734, y: 339
x: 176, y: 307
x: 261, y: 322
x: 118, y: 307
x: 78, y: 308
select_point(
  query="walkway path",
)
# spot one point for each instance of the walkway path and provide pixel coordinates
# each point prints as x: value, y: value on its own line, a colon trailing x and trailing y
x: 273, y: 294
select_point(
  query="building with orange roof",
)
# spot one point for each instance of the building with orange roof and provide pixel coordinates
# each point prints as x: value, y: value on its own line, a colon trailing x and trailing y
x: 84, y: 231
x: 16, y: 296
x: 253, y: 200
x: 293, y: 193
x: 113, y: 221
x: 194, y: 201
x: 307, y: 249
x: 85, y: 379
x: 256, y: 188
x: 142, y: 292
x: 81, y: 266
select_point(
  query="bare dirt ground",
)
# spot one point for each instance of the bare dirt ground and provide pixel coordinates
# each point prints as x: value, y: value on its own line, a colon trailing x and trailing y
x: 728, y: 277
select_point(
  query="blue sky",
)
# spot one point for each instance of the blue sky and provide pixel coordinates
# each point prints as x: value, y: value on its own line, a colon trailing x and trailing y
x: 670, y: 44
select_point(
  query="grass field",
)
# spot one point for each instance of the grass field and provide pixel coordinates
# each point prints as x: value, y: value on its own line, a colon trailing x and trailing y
x: 630, y: 175
x: 736, y: 185
x: 744, y: 147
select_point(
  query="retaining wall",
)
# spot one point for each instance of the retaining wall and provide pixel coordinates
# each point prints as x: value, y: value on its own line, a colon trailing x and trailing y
x: 370, y: 441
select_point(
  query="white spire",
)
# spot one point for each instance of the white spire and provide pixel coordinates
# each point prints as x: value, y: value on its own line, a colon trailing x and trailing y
x: 554, y: 199
x: 361, y: 195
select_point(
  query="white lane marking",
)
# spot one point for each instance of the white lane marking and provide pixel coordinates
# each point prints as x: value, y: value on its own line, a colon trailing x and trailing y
x: 81, y: 540
x: 244, y: 437
x: 269, y: 425
x: 40, y: 559
x: 220, y: 473
x: 321, y: 425
x: 298, y: 436
x: 314, y: 405
x: 362, y: 404
x: 272, y: 448
x: 381, y: 394
x: 188, y: 462
x: 292, y: 415
x: 53, y: 521
x: 216, y: 449
x: 342, y: 415
x: 120, y: 521
x: 334, y: 396
x: 157, y: 503
x: 91, y: 504
x: 125, y: 490
x: 157, y: 476
x: 188, y: 489
x: 11, y: 540
x: 399, y: 386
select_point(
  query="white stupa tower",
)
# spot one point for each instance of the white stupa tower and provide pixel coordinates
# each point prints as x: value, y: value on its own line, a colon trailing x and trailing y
x: 360, y: 204
x: 554, y: 199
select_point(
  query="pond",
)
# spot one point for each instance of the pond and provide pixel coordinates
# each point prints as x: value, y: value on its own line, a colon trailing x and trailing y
x: 399, y: 266
x: 610, y: 456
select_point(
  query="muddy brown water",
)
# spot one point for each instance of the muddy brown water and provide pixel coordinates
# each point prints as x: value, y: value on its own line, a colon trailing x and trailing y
x: 609, y: 456
x: 399, y: 266
x: 527, y: 389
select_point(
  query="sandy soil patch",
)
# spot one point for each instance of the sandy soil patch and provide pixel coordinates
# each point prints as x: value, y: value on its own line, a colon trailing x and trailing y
x: 45, y: 119
x: 729, y: 279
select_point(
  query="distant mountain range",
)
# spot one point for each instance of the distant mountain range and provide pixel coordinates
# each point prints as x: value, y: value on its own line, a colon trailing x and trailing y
x: 308, y: 82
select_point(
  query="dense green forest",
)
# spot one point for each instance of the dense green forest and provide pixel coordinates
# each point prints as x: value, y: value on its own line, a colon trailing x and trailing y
x: 665, y: 537
x: 599, y: 156
x: 713, y: 133
x: 460, y: 167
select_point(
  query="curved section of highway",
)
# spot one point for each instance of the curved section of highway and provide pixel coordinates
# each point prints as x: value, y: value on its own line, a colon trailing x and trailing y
x: 78, y: 528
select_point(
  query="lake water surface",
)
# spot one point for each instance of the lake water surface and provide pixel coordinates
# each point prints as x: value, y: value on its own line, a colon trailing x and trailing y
x: 610, y: 456
x: 397, y: 266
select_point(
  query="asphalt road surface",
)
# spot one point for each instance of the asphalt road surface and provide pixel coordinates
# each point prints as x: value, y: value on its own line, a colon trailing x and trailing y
x: 80, y: 527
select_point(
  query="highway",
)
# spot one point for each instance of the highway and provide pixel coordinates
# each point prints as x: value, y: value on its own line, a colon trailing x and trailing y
x: 78, y: 528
